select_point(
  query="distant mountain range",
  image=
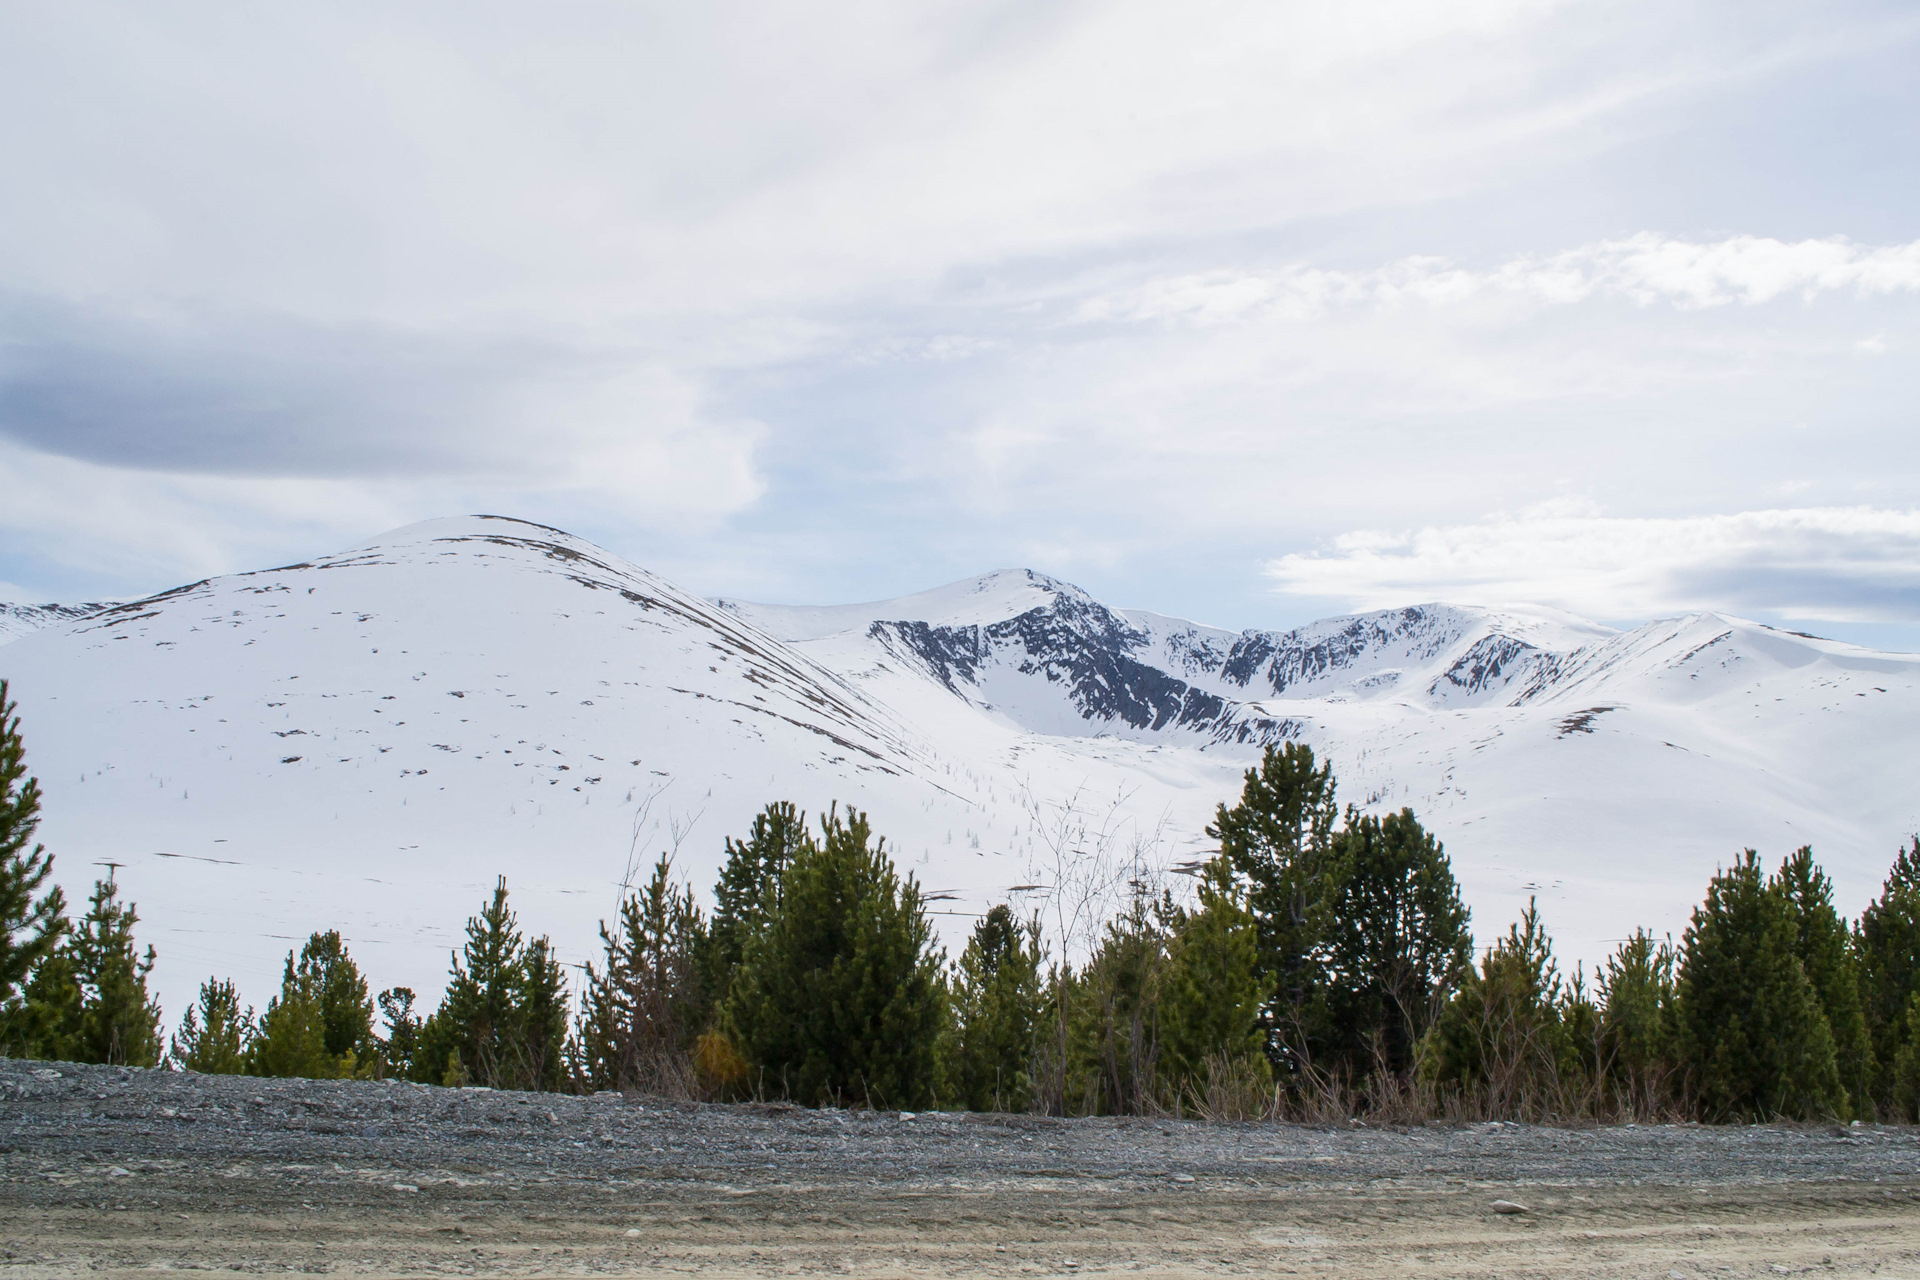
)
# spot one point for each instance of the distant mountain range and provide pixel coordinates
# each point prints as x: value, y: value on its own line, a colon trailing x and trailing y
x: 366, y: 739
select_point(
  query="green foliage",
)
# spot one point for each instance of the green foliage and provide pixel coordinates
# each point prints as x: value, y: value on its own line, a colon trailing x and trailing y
x: 320, y: 1026
x: 1824, y: 946
x: 346, y: 1010
x: 642, y: 1010
x: 46, y: 1024
x: 216, y: 1035
x: 748, y: 889
x: 996, y: 1010
x: 292, y: 1039
x: 1278, y: 841
x: 1211, y: 991
x: 1887, y: 942
x: 839, y: 996
x: 1395, y: 943
x: 1636, y: 1025
x: 1511, y: 1040
x: 1903, y: 1102
x: 542, y: 1027
x: 31, y: 922
x: 1111, y: 1010
x: 1750, y: 1026
x: 118, y: 1022
x: 503, y: 1021
x: 402, y: 1041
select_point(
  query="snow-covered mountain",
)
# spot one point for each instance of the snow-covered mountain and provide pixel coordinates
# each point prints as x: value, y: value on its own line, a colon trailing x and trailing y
x: 17, y: 620
x: 366, y: 739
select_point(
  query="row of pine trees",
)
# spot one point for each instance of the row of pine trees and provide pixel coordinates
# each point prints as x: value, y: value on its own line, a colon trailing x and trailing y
x: 1323, y: 967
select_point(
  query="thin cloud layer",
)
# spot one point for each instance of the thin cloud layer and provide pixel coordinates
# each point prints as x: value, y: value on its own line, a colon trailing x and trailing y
x: 1846, y: 564
x: 832, y: 305
x: 1645, y: 269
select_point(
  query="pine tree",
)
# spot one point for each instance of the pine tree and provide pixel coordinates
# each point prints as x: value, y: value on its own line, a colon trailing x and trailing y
x: 839, y: 997
x: 475, y: 1022
x: 1396, y: 943
x: 996, y: 1002
x: 540, y: 1023
x: 1903, y: 1101
x: 216, y: 1035
x: 1636, y: 1024
x: 1502, y: 1043
x: 1751, y: 1034
x: 1824, y: 945
x: 30, y: 925
x: 748, y: 891
x: 119, y: 1023
x: 402, y: 1040
x: 1114, y: 1007
x: 1212, y: 993
x: 321, y: 1024
x: 46, y: 1024
x: 292, y: 1039
x: 1278, y: 841
x: 503, y: 1020
x: 1887, y: 941
x: 643, y: 1008
x: 346, y: 1009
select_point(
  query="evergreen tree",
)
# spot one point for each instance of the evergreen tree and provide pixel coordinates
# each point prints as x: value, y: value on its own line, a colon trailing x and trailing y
x: 540, y: 1025
x: 1113, y: 1008
x: 46, y: 1024
x: 996, y: 1003
x: 321, y: 1024
x: 839, y: 997
x: 503, y: 1021
x: 1395, y: 944
x: 1824, y: 946
x: 1903, y: 1102
x: 1212, y: 993
x: 748, y: 890
x: 641, y: 1011
x: 292, y: 1039
x: 402, y: 1040
x: 1503, y: 1044
x: 346, y: 1009
x: 31, y: 922
x: 1278, y: 841
x: 119, y: 1023
x: 1887, y: 941
x: 1751, y: 1034
x: 216, y: 1035
x: 1636, y: 1035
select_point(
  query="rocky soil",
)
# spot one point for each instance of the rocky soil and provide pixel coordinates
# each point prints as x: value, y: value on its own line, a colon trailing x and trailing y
x: 108, y: 1170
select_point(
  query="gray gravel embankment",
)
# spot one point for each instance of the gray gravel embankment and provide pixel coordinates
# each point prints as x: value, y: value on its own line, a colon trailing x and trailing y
x: 111, y: 1171
x: 64, y: 1112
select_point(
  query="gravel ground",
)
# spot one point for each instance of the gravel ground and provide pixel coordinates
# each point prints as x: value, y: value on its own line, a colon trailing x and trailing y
x: 110, y: 1170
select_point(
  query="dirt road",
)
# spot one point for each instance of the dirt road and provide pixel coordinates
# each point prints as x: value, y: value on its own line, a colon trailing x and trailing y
x: 109, y: 1171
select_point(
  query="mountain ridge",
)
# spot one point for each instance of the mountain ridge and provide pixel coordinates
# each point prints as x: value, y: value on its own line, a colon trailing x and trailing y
x: 365, y: 739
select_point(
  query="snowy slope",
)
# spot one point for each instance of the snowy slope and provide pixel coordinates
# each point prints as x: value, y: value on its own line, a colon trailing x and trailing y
x: 367, y: 739
x: 1609, y: 773
x: 17, y: 620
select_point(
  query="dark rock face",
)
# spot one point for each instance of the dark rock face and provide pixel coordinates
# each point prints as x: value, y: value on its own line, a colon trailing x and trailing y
x: 1115, y: 674
x: 1490, y: 661
x: 1076, y: 643
x: 1280, y: 662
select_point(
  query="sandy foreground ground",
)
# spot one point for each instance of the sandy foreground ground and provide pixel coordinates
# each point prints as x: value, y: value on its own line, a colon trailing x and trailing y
x: 107, y: 1171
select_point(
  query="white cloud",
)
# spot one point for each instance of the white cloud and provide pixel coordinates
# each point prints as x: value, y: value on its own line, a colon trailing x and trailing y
x: 1644, y: 269
x: 1844, y: 564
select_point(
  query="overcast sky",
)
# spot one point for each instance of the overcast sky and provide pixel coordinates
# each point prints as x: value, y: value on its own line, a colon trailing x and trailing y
x: 1249, y: 313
